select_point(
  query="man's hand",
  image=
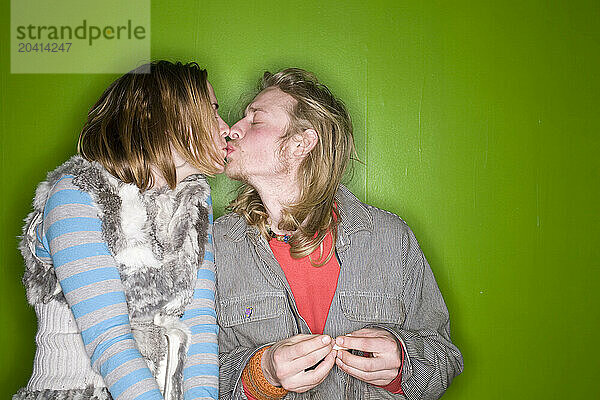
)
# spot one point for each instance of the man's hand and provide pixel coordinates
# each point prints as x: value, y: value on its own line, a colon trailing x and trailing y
x: 284, y: 364
x: 383, y: 365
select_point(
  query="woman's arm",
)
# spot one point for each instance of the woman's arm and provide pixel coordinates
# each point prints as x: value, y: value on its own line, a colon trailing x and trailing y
x: 90, y: 280
x: 201, y: 368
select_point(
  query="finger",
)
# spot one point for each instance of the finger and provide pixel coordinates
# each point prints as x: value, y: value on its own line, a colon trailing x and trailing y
x: 312, y: 378
x: 378, y: 344
x: 300, y: 337
x: 287, y: 359
x: 310, y: 360
x: 372, y: 332
x: 367, y: 364
x: 368, y: 332
x: 306, y: 346
x: 380, y: 378
x: 381, y: 362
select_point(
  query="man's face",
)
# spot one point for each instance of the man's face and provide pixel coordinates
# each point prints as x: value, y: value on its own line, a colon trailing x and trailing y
x: 254, y: 153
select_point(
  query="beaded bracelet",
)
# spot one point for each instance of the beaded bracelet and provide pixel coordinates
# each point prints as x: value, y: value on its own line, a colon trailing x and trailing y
x: 255, y: 381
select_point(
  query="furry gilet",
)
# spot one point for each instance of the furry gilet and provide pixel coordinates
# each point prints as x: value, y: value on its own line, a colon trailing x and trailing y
x: 157, y: 239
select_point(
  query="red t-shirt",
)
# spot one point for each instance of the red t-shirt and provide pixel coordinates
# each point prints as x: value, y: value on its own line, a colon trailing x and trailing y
x: 313, y: 287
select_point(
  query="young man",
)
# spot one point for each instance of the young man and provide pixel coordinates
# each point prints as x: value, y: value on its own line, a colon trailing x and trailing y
x: 319, y: 295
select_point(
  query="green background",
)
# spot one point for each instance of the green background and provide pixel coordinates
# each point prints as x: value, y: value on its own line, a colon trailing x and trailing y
x: 477, y: 122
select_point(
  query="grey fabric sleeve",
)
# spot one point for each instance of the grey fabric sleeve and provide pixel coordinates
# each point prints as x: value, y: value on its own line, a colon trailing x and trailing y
x: 232, y: 360
x: 431, y: 360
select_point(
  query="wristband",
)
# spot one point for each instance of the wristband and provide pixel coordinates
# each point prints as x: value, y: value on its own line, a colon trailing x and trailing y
x: 256, y: 382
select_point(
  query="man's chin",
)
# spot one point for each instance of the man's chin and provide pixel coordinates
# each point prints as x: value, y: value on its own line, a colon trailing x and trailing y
x: 234, y: 174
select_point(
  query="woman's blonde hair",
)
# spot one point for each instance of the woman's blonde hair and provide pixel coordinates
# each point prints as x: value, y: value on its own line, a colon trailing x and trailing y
x: 320, y: 173
x: 143, y: 115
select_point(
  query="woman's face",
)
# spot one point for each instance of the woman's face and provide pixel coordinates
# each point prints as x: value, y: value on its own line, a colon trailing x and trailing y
x: 185, y: 169
x: 223, y: 129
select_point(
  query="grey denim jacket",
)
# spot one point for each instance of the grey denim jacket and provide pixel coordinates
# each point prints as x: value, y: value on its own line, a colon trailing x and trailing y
x: 385, y: 281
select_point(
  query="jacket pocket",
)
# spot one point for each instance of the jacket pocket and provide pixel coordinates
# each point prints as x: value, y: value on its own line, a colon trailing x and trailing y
x: 251, y: 308
x: 372, y: 307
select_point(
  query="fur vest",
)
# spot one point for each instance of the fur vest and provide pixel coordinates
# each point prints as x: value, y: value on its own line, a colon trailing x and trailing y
x: 157, y: 239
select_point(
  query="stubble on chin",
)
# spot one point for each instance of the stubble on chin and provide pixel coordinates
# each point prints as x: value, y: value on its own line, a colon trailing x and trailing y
x: 282, y: 167
x: 235, y: 174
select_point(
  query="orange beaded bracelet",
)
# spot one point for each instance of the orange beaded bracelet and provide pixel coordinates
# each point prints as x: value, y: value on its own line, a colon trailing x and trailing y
x: 256, y: 383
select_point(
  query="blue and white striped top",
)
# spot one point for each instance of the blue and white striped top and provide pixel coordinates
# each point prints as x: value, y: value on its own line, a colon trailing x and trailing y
x: 70, y: 238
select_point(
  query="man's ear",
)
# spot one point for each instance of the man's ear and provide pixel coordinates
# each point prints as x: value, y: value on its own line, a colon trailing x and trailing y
x: 303, y: 143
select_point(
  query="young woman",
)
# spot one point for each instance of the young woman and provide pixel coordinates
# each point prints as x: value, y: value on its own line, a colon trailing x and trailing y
x: 118, y: 249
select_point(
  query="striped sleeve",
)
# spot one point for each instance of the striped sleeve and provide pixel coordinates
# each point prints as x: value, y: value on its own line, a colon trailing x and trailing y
x: 88, y: 275
x: 201, y: 369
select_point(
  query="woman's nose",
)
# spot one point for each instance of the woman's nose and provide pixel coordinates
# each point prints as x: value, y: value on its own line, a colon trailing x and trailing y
x: 223, y: 128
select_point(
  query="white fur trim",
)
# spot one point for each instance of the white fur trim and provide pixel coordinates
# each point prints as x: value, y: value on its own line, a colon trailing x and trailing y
x: 133, y: 215
x: 177, y: 333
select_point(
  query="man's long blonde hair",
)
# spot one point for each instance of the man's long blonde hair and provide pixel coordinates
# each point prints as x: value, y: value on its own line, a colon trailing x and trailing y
x: 319, y: 174
x: 143, y: 115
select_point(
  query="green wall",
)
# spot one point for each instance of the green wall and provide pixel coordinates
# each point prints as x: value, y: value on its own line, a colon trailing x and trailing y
x: 477, y: 122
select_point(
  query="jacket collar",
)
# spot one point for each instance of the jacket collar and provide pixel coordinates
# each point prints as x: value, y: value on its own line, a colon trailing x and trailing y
x: 354, y: 215
x: 239, y: 228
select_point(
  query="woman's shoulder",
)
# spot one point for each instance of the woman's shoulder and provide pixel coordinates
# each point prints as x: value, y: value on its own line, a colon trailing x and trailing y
x: 65, y: 192
x: 66, y: 182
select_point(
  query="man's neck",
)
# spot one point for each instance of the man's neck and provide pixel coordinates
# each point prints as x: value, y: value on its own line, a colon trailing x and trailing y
x: 276, y: 195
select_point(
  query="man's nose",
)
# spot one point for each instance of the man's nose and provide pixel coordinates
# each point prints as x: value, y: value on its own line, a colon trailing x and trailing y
x: 236, y: 131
